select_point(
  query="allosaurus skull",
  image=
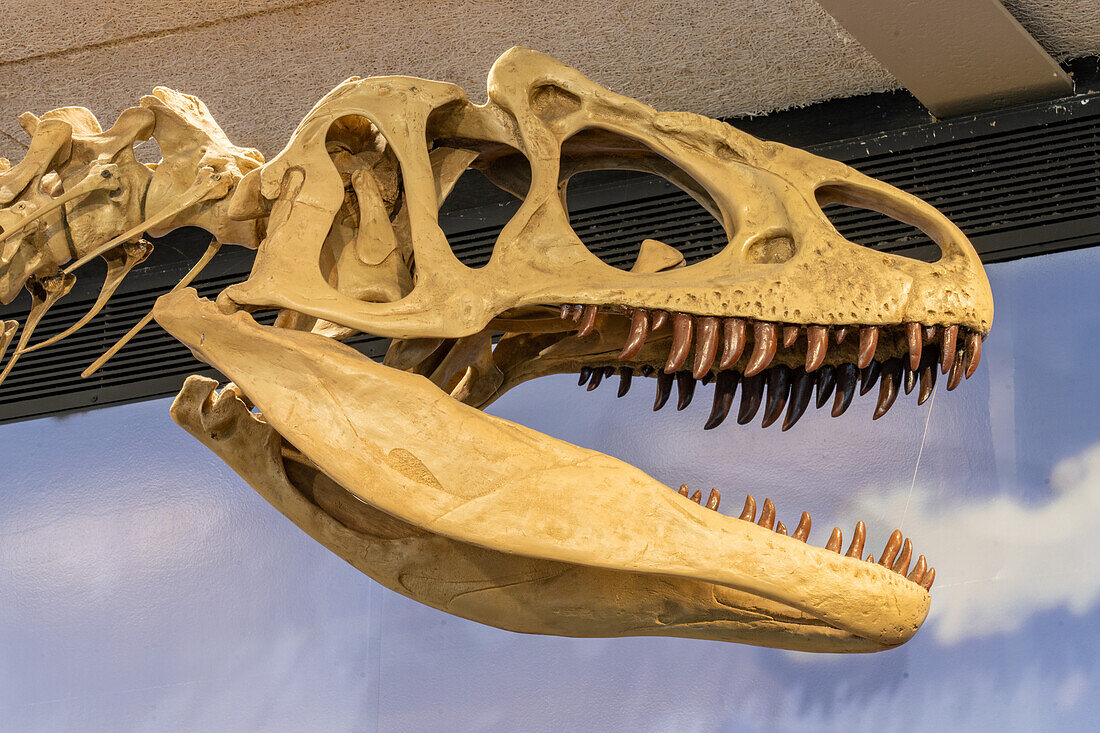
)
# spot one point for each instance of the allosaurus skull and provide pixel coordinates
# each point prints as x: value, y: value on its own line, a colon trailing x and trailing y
x: 396, y: 468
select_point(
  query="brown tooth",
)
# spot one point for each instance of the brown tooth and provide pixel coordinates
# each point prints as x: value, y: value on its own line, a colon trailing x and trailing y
x: 870, y: 558
x: 836, y: 539
x: 856, y: 548
x: 817, y: 344
x: 660, y: 318
x: 802, y: 389
x: 918, y: 570
x: 957, y: 369
x: 908, y: 378
x: 586, y: 374
x: 664, y: 389
x: 697, y: 497
x: 706, y: 345
x: 928, y: 372
x: 868, y: 343
x: 841, y: 333
x: 566, y: 310
x: 767, y: 514
x: 779, y: 389
x: 826, y: 383
x: 928, y: 579
x: 947, y: 347
x: 685, y: 389
x: 802, y: 531
x: 929, y: 334
x: 733, y: 341
x: 625, y: 375
x: 790, y: 335
x: 752, y: 394
x: 577, y: 312
x: 765, y: 341
x: 684, y: 490
x: 888, y: 389
x: 723, y: 398
x: 973, y: 352
x: 847, y: 376
x: 597, y: 377
x: 901, y: 565
x: 639, y: 327
x: 891, y: 550
x: 868, y: 375
x: 713, y: 500
x: 781, y: 528
x: 749, y: 512
x: 707, y: 378
x: 913, y: 336
x: 681, y: 341
x: 647, y: 370
x: 588, y: 321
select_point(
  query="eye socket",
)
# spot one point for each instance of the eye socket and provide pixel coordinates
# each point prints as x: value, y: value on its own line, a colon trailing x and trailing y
x: 856, y: 218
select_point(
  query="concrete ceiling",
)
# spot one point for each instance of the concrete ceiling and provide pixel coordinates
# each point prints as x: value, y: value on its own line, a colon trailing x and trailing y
x: 261, y: 64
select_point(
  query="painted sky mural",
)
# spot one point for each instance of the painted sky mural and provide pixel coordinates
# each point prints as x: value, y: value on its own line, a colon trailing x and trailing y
x: 144, y: 586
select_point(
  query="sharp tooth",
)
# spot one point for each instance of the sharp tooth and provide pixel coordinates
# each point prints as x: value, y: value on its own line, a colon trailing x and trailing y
x: 817, y: 344
x: 683, y: 490
x: 660, y: 318
x: 836, y: 539
x: 781, y: 528
x: 576, y: 312
x: 868, y: 375
x: 749, y: 512
x: 566, y: 311
x: 664, y: 389
x: 586, y: 374
x: 891, y: 550
x: 681, y: 341
x: 870, y: 558
x: 597, y: 377
x: 714, y: 499
x: 928, y: 579
x: 928, y: 373
x: 697, y: 497
x: 868, y: 342
x: 639, y: 327
x: 767, y: 514
x: 847, y: 377
x: 973, y: 352
x: 685, y: 389
x: 901, y: 565
x: 888, y: 390
x: 706, y: 345
x: 956, y: 374
x: 647, y: 370
x: 929, y: 334
x: 802, y: 531
x: 913, y: 336
x: 947, y: 349
x: 802, y: 389
x: 858, y: 537
x: 733, y: 341
x: 841, y: 333
x: 625, y: 375
x: 826, y: 383
x: 752, y: 393
x: 723, y: 398
x: 779, y: 389
x: 765, y: 341
x: 790, y: 335
x: 918, y: 570
x: 588, y: 321
x: 908, y: 377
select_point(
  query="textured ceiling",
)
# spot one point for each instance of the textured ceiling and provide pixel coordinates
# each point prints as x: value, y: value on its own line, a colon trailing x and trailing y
x: 261, y: 64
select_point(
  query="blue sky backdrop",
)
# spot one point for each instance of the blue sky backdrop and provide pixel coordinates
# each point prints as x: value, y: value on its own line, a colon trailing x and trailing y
x: 144, y: 586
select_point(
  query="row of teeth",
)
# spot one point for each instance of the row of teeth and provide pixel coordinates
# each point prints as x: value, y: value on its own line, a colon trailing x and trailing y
x: 786, y: 387
x: 896, y: 555
x: 960, y: 357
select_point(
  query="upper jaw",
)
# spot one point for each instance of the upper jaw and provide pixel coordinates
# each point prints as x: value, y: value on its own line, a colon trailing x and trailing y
x: 401, y: 445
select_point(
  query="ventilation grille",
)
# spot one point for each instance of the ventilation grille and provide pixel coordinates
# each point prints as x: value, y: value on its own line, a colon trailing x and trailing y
x: 1018, y: 183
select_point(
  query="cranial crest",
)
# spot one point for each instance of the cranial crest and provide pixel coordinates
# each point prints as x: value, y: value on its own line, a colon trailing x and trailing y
x: 394, y: 466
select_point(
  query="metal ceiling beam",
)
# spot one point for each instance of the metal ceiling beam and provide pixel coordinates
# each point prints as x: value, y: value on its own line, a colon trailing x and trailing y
x: 956, y: 56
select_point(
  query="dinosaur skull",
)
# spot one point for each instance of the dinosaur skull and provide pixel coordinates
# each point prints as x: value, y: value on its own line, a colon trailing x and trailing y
x: 396, y: 469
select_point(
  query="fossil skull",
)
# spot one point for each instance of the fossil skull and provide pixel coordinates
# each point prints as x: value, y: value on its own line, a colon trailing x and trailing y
x: 395, y: 468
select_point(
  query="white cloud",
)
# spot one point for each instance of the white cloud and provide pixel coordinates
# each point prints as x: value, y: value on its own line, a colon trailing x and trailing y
x: 999, y: 560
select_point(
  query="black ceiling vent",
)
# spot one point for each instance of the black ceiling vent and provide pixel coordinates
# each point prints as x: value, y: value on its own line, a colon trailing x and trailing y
x: 1018, y: 182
